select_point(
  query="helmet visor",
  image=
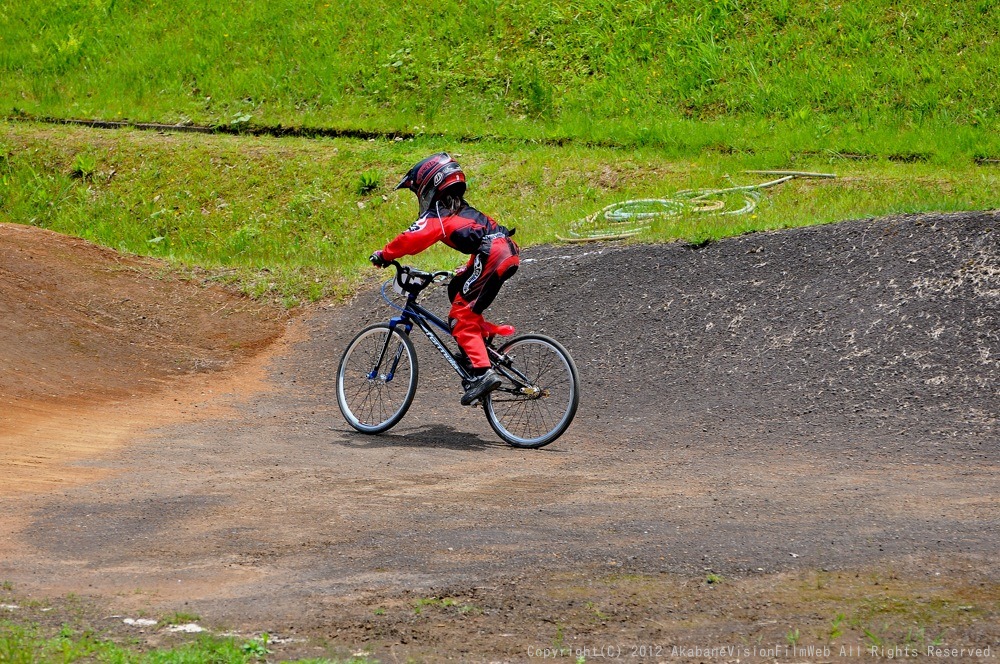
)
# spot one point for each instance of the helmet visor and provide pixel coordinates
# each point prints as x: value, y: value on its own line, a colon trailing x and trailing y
x: 405, y: 183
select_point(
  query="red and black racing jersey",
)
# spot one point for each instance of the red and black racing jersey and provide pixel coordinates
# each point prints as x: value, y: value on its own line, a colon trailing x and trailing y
x: 466, y: 230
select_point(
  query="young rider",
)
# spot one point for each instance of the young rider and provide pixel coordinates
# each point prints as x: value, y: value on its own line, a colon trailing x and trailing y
x: 445, y: 216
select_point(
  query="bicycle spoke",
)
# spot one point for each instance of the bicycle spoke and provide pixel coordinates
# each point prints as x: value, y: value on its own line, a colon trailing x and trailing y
x: 370, y: 400
x: 535, y: 413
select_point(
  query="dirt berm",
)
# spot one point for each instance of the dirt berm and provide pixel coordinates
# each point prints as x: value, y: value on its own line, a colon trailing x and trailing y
x: 776, y: 430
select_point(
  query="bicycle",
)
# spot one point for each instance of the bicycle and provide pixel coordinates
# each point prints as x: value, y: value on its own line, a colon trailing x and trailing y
x: 377, y: 375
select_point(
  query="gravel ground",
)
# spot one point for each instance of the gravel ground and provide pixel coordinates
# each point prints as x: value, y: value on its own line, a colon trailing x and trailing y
x: 775, y: 430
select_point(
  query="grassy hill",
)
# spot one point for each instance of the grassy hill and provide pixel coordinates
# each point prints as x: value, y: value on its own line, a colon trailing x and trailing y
x: 556, y: 110
x: 296, y: 217
x: 871, y: 76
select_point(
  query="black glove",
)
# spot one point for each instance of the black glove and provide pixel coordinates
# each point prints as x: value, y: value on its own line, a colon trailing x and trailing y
x: 377, y: 260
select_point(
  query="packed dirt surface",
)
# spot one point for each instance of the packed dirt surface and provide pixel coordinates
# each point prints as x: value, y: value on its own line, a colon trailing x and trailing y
x: 85, y: 327
x: 785, y: 441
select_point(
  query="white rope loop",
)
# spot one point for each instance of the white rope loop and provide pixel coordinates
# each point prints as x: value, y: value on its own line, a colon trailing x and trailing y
x: 627, y: 219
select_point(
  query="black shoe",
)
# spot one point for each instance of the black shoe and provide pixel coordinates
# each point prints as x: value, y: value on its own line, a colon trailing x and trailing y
x: 480, y: 386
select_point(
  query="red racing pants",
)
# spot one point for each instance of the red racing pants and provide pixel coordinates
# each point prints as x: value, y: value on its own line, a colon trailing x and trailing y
x: 475, y: 289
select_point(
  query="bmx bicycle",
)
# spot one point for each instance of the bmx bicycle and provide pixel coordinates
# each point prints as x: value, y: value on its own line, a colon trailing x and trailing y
x: 377, y: 376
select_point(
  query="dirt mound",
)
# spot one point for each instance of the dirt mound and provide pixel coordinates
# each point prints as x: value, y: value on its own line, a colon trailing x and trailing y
x: 88, y: 323
x: 84, y: 326
x: 885, y: 326
x: 801, y: 415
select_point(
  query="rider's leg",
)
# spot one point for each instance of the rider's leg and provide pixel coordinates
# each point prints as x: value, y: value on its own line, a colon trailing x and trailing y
x: 473, y: 291
x: 467, y: 328
x: 489, y: 292
x: 467, y: 323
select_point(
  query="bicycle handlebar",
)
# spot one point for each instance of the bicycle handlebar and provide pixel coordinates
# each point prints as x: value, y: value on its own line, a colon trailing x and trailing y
x: 423, y: 279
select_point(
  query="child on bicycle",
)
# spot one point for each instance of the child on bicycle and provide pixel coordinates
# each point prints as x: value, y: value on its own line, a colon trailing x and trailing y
x: 445, y: 216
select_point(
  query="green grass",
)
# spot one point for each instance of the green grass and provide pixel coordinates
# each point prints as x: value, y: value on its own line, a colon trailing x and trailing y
x: 20, y: 644
x: 27, y: 644
x: 180, y: 618
x: 296, y: 218
x: 556, y: 110
x: 871, y: 76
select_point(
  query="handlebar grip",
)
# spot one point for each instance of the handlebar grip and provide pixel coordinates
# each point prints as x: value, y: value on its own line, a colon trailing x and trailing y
x: 400, y: 271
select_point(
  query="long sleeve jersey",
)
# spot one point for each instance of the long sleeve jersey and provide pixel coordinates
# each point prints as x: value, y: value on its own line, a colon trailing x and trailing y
x: 466, y: 230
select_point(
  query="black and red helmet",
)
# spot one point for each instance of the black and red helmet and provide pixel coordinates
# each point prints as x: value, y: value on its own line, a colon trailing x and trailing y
x: 434, y: 177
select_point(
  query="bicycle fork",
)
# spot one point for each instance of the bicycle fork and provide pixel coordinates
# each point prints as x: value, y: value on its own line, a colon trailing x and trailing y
x: 388, y: 376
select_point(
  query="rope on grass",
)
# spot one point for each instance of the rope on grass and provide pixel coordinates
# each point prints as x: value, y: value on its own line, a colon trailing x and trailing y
x: 629, y: 218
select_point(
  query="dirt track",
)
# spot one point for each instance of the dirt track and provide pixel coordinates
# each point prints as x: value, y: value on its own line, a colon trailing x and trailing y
x: 792, y: 412
x: 85, y: 328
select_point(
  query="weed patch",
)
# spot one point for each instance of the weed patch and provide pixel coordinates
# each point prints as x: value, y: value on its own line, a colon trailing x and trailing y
x: 286, y: 219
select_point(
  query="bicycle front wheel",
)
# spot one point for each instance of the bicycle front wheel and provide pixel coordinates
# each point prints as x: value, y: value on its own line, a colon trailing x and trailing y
x: 377, y: 378
x: 539, y: 395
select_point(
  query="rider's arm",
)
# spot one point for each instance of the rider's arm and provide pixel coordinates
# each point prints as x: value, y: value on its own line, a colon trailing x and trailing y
x: 424, y: 232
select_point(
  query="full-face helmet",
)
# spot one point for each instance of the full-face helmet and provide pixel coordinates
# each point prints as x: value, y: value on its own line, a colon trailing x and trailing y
x: 434, y: 178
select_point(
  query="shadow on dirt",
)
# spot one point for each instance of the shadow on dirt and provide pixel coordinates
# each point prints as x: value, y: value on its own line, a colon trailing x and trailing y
x: 777, y: 432
x: 430, y: 437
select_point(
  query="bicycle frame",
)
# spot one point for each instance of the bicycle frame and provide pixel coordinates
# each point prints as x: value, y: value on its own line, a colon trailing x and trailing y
x: 531, y: 405
x: 413, y: 313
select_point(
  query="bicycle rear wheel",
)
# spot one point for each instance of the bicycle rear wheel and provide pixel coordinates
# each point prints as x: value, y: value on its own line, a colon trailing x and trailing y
x: 540, y: 392
x: 377, y: 378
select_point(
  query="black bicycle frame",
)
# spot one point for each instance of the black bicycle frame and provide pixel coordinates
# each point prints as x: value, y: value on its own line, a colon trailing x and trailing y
x: 413, y: 313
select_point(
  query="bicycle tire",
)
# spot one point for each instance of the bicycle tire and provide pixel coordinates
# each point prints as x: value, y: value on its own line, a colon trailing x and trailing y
x: 366, y: 394
x: 535, y: 415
